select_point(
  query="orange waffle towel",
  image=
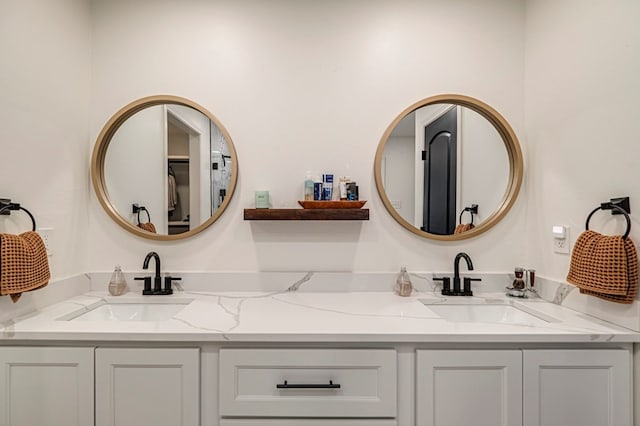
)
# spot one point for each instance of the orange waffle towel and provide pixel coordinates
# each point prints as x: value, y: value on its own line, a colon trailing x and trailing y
x: 23, y: 264
x: 148, y: 226
x: 605, y: 267
x: 463, y: 227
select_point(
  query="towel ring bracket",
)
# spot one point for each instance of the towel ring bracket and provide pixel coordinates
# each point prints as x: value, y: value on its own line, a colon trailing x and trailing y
x: 473, y: 210
x: 6, y: 207
x: 137, y: 209
x: 617, y: 206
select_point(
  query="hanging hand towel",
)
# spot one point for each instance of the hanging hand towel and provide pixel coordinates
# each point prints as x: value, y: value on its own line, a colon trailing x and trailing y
x: 463, y: 227
x: 23, y: 264
x: 148, y: 226
x: 605, y: 267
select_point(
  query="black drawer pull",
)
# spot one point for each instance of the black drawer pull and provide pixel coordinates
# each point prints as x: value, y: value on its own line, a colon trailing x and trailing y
x: 286, y: 385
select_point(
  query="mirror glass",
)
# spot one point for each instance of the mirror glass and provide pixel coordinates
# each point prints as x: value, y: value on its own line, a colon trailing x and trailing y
x: 448, y: 167
x: 164, y: 168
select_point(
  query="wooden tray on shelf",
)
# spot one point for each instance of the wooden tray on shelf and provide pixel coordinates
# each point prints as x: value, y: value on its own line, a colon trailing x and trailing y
x: 332, y: 204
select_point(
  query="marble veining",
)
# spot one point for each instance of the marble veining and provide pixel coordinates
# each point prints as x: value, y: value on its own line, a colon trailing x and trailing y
x: 561, y: 293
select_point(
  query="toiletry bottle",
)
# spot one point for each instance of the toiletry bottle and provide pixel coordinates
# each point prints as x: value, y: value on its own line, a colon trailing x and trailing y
x: 352, y: 191
x: 308, y: 187
x: 403, y: 283
x: 117, y: 284
x: 327, y: 187
x: 317, y: 188
x: 342, y: 187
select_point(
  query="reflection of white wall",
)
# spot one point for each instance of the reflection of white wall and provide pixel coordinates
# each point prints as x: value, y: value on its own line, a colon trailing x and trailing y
x: 135, y: 167
x: 484, y: 165
x: 398, y: 174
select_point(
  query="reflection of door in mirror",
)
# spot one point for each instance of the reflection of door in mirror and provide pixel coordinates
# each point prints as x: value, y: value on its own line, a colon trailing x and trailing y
x: 187, y: 177
x: 440, y: 173
x: 177, y: 178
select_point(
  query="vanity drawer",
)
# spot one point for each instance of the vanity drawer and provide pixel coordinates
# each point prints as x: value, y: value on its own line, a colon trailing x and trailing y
x: 307, y: 383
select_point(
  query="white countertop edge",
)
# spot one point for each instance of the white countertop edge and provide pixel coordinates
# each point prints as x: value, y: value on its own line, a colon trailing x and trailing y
x: 355, y: 338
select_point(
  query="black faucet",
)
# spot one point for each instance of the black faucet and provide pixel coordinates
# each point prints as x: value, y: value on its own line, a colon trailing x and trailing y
x: 456, y: 291
x: 157, y: 279
x: 456, y: 270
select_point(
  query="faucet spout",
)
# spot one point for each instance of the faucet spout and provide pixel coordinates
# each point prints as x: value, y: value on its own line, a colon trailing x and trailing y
x: 456, y: 264
x: 154, y: 255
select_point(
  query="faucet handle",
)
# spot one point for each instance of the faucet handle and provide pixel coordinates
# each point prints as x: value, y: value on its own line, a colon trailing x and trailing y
x: 466, y: 286
x: 147, y: 285
x: 168, y: 279
x: 446, y: 285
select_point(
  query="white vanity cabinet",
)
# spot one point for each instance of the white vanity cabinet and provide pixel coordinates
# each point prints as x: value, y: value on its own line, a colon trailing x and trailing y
x: 147, y: 386
x: 530, y: 387
x: 577, y: 387
x: 469, y: 387
x: 334, y: 386
x: 46, y: 386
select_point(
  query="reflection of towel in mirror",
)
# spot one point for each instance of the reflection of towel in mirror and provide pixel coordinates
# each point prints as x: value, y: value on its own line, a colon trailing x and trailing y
x: 463, y: 227
x: 23, y: 264
x: 148, y: 226
x: 172, y: 193
x: 605, y: 267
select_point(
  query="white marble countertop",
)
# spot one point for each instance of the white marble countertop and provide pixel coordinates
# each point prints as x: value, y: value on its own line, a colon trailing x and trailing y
x: 309, y: 317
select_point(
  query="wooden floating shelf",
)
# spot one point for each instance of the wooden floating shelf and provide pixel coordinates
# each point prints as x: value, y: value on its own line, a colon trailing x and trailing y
x: 306, y: 214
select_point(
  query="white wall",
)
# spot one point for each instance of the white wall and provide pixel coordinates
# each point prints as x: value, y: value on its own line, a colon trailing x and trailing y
x: 306, y: 86
x: 582, y: 97
x: 44, y: 115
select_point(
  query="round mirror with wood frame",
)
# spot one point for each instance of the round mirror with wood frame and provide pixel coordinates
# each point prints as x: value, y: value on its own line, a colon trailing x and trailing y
x: 447, y: 168
x: 143, y: 151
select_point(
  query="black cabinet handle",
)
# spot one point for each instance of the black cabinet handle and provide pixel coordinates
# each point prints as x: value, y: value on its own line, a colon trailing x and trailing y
x: 330, y: 385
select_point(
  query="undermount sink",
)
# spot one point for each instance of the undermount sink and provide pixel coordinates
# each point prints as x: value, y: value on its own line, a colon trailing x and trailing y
x: 504, y: 312
x: 129, y: 310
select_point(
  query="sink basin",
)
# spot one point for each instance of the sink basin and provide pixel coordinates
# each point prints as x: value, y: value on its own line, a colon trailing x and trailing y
x: 493, y: 312
x: 129, y: 311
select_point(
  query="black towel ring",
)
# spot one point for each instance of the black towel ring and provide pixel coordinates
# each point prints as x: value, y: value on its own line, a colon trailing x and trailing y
x: 462, y: 212
x: 146, y: 211
x: 607, y: 206
x: 13, y: 207
x: 473, y: 210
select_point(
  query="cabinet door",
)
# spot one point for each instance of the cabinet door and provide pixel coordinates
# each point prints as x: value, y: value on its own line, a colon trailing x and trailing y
x: 46, y: 386
x: 577, y: 387
x: 147, y: 387
x: 469, y: 387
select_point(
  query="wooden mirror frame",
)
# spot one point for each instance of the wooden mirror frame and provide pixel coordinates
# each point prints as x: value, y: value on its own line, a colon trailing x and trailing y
x: 100, y: 152
x: 516, y: 167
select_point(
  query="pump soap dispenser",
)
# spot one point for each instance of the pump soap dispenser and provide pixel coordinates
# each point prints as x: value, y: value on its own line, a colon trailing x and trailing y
x: 117, y: 284
x: 403, y: 283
